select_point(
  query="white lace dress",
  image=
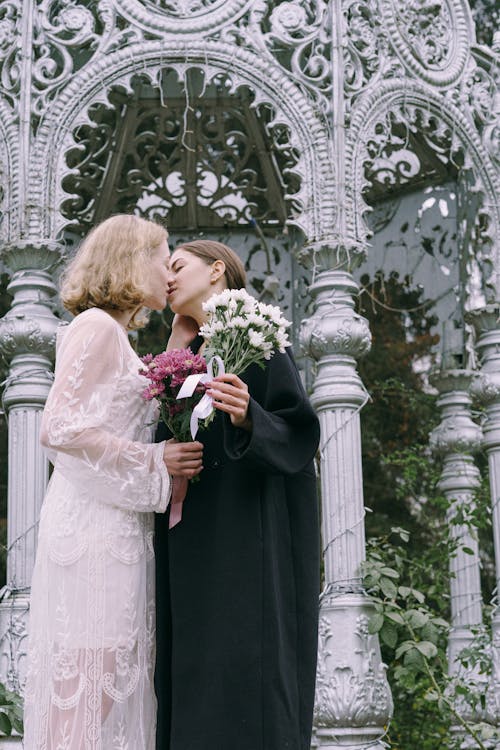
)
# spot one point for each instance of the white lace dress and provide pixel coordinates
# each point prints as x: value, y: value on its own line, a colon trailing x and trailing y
x: 92, y: 617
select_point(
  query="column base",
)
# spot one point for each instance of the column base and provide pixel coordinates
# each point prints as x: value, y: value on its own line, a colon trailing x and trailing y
x: 14, y: 612
x: 354, y: 739
x: 11, y: 743
x: 353, y: 699
x: 493, y: 691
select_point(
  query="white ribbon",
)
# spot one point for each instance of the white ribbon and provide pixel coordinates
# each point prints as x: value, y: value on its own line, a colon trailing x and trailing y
x: 205, y: 407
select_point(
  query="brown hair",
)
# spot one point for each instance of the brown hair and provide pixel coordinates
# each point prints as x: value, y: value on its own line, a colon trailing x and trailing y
x: 109, y: 267
x: 210, y: 251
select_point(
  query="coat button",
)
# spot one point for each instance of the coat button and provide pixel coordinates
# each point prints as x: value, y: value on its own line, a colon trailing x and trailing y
x: 216, y: 463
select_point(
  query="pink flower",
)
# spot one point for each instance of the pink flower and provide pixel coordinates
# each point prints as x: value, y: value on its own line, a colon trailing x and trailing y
x: 166, y: 372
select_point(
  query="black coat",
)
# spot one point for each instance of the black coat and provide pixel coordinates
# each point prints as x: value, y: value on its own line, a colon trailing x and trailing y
x: 238, y: 580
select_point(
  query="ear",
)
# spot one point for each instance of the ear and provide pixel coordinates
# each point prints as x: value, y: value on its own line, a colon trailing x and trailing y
x: 217, y: 270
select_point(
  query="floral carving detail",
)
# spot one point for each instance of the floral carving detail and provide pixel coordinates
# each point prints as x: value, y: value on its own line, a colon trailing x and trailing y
x: 426, y: 25
x: 289, y: 19
x: 431, y: 37
x: 10, y: 49
x: 184, y: 8
x: 302, y: 26
x: 345, y: 696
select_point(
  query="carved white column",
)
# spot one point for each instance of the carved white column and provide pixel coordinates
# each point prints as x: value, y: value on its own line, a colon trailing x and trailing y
x: 353, y: 699
x: 27, y: 339
x: 456, y: 438
x: 487, y: 388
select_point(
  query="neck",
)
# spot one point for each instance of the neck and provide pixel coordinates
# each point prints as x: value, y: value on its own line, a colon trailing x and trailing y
x: 123, y: 317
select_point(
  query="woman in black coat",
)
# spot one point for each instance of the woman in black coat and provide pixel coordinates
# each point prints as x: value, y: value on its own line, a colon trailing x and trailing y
x: 238, y: 577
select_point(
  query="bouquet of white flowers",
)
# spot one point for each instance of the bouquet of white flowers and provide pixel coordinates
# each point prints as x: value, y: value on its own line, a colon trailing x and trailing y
x: 242, y: 331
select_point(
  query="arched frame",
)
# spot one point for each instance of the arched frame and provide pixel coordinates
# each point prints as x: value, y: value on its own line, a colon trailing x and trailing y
x: 423, y: 105
x: 309, y: 134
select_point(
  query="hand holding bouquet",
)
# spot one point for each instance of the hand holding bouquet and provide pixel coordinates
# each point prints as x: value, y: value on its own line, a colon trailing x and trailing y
x: 240, y: 331
x: 167, y: 373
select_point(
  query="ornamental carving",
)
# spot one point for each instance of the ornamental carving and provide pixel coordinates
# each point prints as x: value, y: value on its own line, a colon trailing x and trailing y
x: 431, y: 37
x: 295, y: 118
x: 335, y: 333
x: 349, y: 696
x: 14, y: 641
x: 22, y: 335
x: 378, y: 152
x: 217, y: 163
x: 186, y: 17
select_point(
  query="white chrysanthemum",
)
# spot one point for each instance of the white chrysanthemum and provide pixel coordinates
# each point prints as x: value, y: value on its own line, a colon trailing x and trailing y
x: 256, y: 320
x: 282, y: 341
x: 209, y: 305
x: 239, y: 322
x: 256, y: 339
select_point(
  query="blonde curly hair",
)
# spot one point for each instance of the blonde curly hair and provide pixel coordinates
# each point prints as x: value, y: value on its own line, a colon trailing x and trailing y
x: 109, y: 269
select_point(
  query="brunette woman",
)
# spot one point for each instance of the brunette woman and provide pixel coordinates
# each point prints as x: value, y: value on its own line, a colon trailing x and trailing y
x: 238, y: 577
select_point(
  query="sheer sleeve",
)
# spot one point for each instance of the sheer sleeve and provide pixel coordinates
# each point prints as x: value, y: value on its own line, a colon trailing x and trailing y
x: 80, y: 429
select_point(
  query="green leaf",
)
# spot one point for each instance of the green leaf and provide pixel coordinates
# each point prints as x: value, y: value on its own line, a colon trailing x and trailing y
x: 389, y: 572
x: 440, y: 623
x: 375, y: 623
x: 17, y: 725
x: 427, y: 649
x: 413, y: 658
x: 5, y: 724
x: 403, y: 647
x: 389, y: 635
x: 417, y: 618
x: 419, y: 596
x: 404, y: 592
x: 395, y: 617
x: 468, y: 550
x: 388, y: 588
x: 487, y: 731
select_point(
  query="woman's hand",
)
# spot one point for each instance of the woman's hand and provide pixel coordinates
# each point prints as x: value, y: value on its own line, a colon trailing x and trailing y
x: 183, y: 459
x: 230, y: 394
x: 184, y: 330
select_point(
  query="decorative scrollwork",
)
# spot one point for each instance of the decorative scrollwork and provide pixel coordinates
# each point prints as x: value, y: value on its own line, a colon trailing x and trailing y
x: 431, y: 37
x: 186, y: 17
x: 366, y: 55
x: 184, y: 8
x: 216, y: 162
x: 66, y: 35
x: 300, y: 39
x: 10, y: 49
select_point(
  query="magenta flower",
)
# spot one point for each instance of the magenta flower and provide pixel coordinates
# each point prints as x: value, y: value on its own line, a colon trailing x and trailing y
x: 166, y: 372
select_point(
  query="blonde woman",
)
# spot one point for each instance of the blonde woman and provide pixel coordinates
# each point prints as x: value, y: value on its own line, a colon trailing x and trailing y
x: 91, y: 646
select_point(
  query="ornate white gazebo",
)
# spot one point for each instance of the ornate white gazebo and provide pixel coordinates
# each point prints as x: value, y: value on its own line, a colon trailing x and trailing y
x: 307, y: 111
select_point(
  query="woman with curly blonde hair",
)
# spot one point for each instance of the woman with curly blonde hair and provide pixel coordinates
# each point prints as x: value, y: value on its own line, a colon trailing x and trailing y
x: 92, y: 618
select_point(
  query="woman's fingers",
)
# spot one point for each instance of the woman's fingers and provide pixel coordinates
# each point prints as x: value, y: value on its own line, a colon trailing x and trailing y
x: 183, y: 459
x: 230, y: 394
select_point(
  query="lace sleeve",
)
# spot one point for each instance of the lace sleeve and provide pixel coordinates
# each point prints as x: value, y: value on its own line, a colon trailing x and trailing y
x: 78, y: 414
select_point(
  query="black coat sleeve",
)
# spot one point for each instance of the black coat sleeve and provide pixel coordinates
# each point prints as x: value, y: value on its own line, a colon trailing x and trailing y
x: 285, y: 429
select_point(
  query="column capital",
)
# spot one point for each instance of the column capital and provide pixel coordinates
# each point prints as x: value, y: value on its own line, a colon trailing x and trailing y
x: 457, y: 432
x: 28, y: 330
x: 32, y: 254
x: 335, y: 328
x: 332, y: 253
